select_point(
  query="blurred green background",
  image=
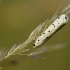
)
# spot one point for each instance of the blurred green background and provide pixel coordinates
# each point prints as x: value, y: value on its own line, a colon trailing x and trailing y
x: 18, y: 18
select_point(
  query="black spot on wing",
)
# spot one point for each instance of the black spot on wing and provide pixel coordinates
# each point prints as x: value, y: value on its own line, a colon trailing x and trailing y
x: 33, y: 44
x: 38, y: 40
x: 58, y: 22
x: 66, y: 18
x: 47, y: 37
x: 49, y: 31
x: 58, y: 17
x: 54, y: 25
x: 43, y: 33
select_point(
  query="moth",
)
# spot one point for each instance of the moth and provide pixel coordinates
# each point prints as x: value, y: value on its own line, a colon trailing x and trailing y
x: 47, y: 29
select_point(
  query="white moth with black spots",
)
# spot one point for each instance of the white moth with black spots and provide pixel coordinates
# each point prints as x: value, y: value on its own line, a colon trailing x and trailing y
x: 51, y: 27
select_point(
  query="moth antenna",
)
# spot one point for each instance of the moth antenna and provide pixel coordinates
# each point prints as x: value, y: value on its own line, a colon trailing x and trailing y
x: 66, y: 10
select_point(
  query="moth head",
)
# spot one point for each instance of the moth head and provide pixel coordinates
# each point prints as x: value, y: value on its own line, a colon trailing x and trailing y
x: 64, y: 18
